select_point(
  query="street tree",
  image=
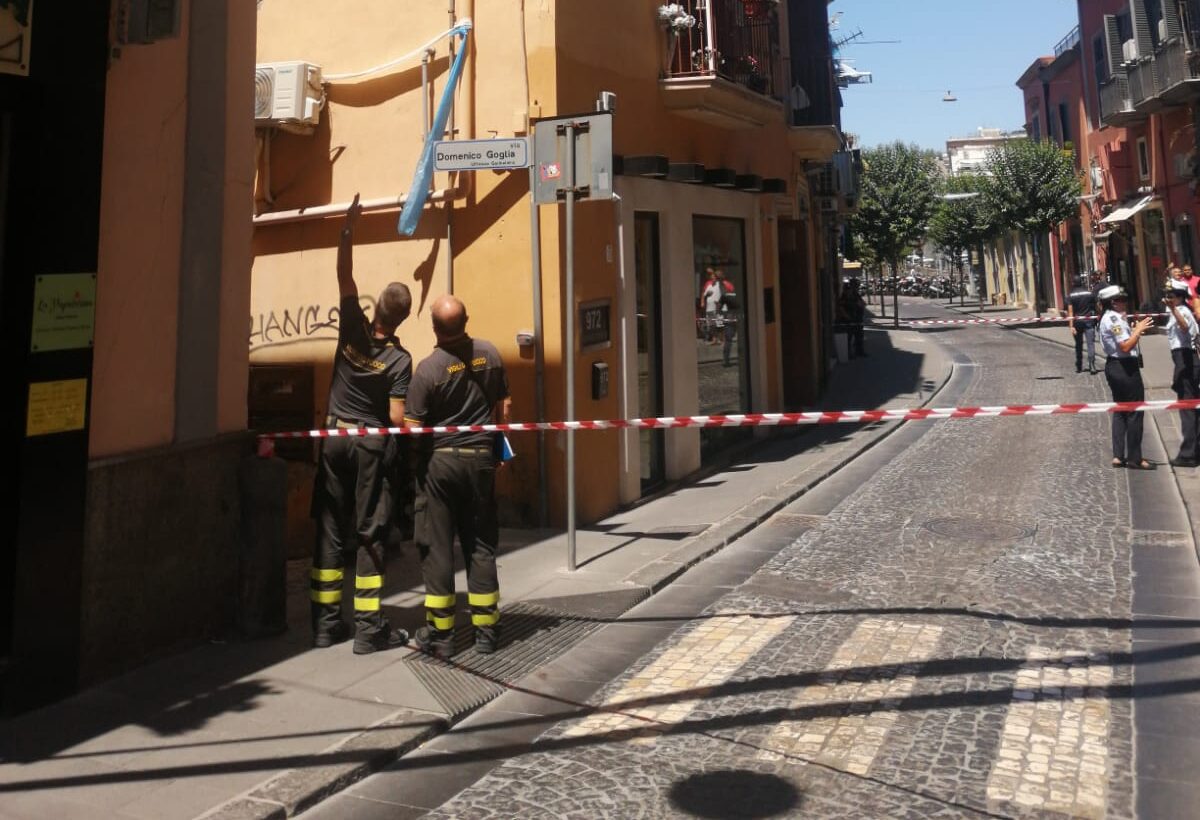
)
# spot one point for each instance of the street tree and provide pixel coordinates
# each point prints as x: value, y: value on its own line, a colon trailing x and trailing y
x: 963, y: 220
x: 1033, y: 188
x: 899, y: 193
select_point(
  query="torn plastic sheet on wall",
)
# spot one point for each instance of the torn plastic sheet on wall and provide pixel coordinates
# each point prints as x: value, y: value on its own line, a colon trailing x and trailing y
x: 418, y: 194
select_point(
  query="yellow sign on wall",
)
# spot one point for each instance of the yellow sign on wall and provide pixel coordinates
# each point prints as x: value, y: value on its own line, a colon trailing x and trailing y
x: 56, y: 407
x: 64, y: 312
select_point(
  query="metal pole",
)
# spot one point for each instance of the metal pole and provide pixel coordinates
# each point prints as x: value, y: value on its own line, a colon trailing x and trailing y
x: 896, y: 296
x: 539, y: 351
x: 568, y: 346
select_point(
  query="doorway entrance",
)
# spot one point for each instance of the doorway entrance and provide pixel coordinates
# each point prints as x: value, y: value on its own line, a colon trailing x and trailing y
x: 648, y: 282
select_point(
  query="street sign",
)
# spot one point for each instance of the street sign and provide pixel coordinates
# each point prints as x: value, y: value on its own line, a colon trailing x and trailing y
x: 593, y: 157
x: 481, y: 155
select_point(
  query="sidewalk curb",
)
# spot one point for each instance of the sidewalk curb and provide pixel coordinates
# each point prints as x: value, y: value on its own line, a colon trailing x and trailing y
x: 291, y: 792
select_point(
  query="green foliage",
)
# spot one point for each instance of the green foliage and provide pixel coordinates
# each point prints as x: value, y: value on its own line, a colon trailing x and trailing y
x: 959, y: 224
x: 1034, y: 185
x: 899, y: 193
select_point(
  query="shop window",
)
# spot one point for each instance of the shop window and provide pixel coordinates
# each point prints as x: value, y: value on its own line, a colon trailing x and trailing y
x: 722, y: 346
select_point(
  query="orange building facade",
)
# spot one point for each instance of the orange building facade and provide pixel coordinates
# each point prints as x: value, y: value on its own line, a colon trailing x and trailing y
x: 710, y: 170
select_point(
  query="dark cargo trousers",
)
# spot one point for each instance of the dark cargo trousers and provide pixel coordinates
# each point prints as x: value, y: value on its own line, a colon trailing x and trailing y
x: 1125, y: 381
x: 1185, y: 386
x: 352, y: 503
x: 456, y: 495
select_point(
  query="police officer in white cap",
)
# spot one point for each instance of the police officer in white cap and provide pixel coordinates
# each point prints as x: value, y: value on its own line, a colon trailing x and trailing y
x: 1182, y: 331
x: 1124, y: 375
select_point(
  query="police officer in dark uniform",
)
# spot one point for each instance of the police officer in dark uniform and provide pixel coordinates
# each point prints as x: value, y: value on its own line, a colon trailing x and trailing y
x: 352, y: 497
x: 462, y: 382
x: 1081, y: 310
x: 1124, y: 374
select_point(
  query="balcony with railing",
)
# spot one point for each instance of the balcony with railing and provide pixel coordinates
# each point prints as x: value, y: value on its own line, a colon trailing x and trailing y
x: 1067, y: 43
x: 1178, y: 71
x: 1143, y: 85
x: 1116, y: 105
x: 726, y: 68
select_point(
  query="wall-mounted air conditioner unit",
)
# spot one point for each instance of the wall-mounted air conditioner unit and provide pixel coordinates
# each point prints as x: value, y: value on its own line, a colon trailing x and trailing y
x: 1097, y: 178
x: 1129, y: 50
x: 288, y: 93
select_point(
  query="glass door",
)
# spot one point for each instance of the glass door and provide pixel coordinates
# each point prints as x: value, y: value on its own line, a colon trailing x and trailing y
x: 722, y: 344
x: 647, y: 273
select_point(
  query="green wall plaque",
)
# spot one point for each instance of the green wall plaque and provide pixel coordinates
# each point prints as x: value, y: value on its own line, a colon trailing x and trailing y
x: 64, y: 312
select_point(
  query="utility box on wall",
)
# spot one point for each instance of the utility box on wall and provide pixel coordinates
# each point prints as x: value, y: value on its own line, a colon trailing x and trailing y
x: 599, y: 381
x: 147, y: 21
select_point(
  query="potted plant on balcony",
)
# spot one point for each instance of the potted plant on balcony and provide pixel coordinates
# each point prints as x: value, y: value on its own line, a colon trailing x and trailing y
x: 675, y: 19
x: 747, y: 70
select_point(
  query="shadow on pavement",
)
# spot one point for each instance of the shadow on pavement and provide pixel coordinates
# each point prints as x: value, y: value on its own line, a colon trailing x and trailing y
x: 735, y: 793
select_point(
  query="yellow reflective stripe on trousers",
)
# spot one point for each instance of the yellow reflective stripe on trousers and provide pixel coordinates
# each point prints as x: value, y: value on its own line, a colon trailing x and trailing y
x: 444, y: 624
x: 490, y: 619
x: 333, y: 596
x: 366, y: 604
x: 368, y: 581
x: 326, y: 575
x: 439, y: 601
x: 484, y: 598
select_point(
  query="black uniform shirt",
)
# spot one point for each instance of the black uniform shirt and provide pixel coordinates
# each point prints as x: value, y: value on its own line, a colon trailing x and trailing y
x: 458, y: 384
x: 367, y: 372
x: 1083, y: 302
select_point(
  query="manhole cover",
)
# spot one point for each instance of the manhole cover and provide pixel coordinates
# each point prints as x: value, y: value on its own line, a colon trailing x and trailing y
x: 977, y: 529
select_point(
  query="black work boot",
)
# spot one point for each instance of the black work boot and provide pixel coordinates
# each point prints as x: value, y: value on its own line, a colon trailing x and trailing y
x: 323, y: 638
x: 387, y: 638
x: 435, y: 642
x: 487, y: 639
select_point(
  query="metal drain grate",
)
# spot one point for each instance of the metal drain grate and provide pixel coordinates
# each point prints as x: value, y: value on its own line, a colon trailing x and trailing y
x: 977, y: 529
x: 531, y: 636
x: 1159, y: 538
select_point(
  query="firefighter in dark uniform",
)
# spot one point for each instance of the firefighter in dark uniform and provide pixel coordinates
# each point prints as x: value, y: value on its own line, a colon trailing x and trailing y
x: 461, y: 383
x: 352, y: 496
x: 1081, y: 310
x: 1123, y: 372
x: 1182, y: 331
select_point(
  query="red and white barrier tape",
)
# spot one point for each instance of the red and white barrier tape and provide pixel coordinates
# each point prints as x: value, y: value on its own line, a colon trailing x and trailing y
x: 1022, y: 321
x: 760, y: 419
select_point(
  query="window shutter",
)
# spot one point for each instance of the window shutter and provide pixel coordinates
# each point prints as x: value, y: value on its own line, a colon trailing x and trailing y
x: 1112, y: 40
x: 1141, y: 29
x: 1172, y: 18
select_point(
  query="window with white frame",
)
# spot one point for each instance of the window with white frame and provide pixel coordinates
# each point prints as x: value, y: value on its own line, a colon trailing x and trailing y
x: 1143, y: 158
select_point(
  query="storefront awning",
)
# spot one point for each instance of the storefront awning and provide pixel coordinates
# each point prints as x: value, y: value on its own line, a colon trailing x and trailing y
x: 1124, y: 214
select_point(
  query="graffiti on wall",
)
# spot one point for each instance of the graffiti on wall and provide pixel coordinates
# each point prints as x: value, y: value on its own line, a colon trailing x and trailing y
x: 303, y: 323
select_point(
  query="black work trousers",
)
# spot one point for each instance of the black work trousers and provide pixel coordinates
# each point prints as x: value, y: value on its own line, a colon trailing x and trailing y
x: 352, y: 503
x: 456, y: 496
x: 1185, y: 386
x: 1085, y: 331
x: 1125, y: 381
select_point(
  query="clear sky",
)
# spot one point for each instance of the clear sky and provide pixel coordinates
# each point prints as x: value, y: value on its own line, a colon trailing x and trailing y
x: 975, y: 48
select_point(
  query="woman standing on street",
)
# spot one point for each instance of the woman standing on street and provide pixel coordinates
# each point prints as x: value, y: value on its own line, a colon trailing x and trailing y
x: 1123, y: 371
x: 1181, y: 334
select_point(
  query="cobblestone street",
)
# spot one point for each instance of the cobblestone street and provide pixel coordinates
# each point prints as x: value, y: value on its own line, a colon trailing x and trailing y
x: 945, y: 632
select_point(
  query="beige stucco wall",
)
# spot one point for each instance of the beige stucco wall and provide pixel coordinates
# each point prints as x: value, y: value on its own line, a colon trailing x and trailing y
x: 368, y: 142
x: 141, y: 207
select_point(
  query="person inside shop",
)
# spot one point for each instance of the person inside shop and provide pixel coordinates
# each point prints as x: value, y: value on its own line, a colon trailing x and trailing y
x: 1122, y: 370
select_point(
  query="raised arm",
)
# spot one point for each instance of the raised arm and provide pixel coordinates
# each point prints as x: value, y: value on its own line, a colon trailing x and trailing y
x: 345, y: 257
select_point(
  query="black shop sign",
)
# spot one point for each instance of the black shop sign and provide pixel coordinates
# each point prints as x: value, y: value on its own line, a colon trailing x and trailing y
x: 595, y: 324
